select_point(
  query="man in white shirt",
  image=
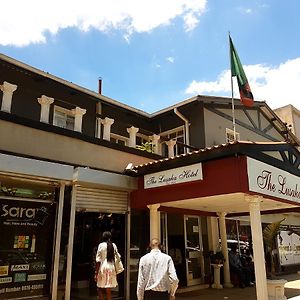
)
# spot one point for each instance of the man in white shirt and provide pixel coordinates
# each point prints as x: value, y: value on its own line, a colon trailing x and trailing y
x: 157, y: 277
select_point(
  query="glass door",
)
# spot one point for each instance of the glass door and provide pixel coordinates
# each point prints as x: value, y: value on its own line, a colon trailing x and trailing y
x: 194, y: 250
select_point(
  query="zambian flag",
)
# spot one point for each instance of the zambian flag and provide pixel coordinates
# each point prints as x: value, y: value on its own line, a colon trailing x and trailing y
x: 238, y: 71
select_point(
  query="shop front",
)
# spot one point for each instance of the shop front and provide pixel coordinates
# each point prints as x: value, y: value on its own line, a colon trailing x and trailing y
x: 27, y: 233
x: 30, y: 197
x: 99, y: 203
x: 206, y: 187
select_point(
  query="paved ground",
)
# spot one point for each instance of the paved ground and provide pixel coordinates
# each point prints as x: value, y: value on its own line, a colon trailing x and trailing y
x: 292, y: 292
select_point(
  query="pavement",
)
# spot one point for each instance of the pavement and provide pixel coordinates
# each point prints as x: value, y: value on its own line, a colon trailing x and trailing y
x: 292, y: 291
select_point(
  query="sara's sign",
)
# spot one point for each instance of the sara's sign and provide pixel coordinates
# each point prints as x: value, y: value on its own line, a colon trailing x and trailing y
x: 174, y: 176
x: 272, y: 181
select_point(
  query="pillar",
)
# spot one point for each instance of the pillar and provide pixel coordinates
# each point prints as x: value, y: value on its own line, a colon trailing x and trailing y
x: 213, y: 233
x: 78, y: 113
x: 132, y: 136
x: 57, y: 241
x: 171, y: 144
x: 258, y: 247
x: 217, y: 283
x: 154, y: 139
x: 45, y: 108
x: 222, y: 224
x: 154, y: 221
x: 70, y: 244
x: 7, y: 89
x: 107, y: 122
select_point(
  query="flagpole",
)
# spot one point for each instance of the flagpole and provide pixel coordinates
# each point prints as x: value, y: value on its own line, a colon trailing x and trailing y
x: 232, y: 99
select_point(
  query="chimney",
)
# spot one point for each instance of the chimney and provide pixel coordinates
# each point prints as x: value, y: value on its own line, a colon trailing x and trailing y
x: 100, y: 85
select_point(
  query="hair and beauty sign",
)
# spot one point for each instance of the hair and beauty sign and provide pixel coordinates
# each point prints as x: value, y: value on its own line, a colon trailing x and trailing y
x: 174, y: 176
x: 269, y: 180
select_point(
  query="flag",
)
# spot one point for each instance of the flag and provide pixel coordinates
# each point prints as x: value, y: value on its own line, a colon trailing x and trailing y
x: 238, y: 71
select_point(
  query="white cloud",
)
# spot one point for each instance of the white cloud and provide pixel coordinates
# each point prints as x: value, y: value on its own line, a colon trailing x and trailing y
x: 25, y: 22
x: 170, y: 59
x: 244, y: 10
x: 277, y: 85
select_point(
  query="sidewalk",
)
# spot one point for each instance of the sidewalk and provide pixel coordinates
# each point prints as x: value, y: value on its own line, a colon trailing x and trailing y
x: 292, y: 291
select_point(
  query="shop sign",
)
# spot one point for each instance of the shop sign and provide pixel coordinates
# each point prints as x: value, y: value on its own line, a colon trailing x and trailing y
x: 269, y: 180
x: 288, y: 248
x: 26, y: 236
x: 174, y: 176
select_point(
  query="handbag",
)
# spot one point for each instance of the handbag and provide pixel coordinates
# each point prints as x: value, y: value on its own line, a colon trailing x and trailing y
x: 118, y: 263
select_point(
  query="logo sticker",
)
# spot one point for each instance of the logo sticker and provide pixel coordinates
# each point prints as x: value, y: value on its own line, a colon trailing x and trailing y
x: 36, y: 277
x: 5, y: 280
x: 20, y: 277
x: 3, y: 270
x: 17, y: 268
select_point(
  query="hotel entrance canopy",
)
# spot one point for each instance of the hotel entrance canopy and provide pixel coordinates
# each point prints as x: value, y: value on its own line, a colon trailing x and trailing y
x: 221, y: 177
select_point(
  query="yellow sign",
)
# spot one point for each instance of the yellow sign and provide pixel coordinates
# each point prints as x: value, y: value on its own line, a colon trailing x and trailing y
x: 3, y: 270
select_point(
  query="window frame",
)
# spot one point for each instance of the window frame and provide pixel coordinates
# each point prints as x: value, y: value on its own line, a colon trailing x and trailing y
x: 66, y: 112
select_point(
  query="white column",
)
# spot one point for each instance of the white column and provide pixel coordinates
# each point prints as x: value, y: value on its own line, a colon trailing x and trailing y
x: 154, y: 139
x: 171, y: 144
x: 213, y: 233
x: 78, y: 112
x: 45, y: 108
x: 7, y: 89
x: 258, y: 247
x: 107, y: 122
x: 98, y: 128
x: 70, y: 244
x: 222, y: 224
x: 57, y: 241
x: 132, y: 136
x: 154, y: 221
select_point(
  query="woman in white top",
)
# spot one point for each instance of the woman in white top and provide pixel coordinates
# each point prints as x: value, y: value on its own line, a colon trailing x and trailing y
x: 105, y: 274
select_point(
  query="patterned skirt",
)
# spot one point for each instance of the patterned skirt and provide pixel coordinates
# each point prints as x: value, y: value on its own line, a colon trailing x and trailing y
x: 107, y: 277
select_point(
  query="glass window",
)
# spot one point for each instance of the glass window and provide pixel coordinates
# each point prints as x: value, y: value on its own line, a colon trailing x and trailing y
x: 63, y: 118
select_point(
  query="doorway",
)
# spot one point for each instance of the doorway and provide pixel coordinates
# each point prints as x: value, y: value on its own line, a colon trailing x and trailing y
x: 87, y: 236
x: 194, y: 258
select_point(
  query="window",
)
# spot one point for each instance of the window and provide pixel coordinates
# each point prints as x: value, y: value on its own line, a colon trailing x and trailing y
x: 118, y: 139
x: 230, y: 135
x: 141, y: 139
x: 63, y: 118
x: 174, y: 134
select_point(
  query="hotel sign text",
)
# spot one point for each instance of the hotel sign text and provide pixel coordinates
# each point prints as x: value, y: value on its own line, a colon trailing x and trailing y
x: 173, y: 176
x: 268, y: 180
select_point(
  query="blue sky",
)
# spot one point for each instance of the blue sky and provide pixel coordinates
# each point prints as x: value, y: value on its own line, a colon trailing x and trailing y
x: 152, y: 54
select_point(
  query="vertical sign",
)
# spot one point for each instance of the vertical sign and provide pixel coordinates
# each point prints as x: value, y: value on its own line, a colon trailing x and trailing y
x: 26, y: 248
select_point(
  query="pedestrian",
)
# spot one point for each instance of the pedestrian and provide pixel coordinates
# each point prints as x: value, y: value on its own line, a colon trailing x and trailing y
x: 105, y: 274
x: 157, y: 277
x: 236, y: 266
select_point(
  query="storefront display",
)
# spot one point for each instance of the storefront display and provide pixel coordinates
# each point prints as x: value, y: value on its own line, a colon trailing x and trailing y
x: 26, y: 247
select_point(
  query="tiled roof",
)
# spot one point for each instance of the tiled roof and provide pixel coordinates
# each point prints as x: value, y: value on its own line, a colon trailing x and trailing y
x: 199, y: 152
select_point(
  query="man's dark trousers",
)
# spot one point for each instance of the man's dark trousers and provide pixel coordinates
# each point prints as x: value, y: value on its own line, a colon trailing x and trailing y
x: 153, y: 295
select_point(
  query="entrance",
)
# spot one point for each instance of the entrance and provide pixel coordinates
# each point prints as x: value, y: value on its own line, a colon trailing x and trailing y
x: 88, y: 232
x: 194, y: 250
